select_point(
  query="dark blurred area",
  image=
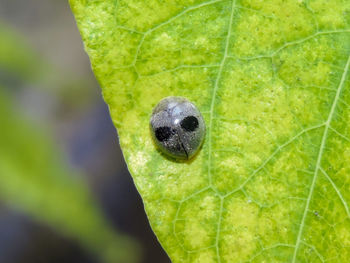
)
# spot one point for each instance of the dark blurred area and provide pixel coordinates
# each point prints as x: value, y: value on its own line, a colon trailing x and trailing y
x: 79, y: 122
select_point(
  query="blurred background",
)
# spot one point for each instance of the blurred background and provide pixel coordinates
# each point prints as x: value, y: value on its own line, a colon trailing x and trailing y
x: 65, y: 191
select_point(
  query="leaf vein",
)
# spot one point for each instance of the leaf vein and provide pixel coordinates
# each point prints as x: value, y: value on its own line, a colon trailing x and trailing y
x: 337, y: 191
x: 189, y: 9
x: 279, y: 148
x: 319, y: 157
x: 211, y: 117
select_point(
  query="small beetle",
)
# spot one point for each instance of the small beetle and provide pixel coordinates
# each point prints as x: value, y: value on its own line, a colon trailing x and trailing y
x: 177, y: 127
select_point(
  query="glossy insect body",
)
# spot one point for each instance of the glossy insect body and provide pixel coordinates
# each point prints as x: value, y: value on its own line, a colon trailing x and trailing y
x: 177, y: 127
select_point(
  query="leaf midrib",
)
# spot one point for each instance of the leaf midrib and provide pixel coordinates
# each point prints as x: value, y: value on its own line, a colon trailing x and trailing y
x: 211, y: 117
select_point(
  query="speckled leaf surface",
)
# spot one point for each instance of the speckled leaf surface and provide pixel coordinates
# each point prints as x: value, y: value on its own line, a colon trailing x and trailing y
x: 271, y: 183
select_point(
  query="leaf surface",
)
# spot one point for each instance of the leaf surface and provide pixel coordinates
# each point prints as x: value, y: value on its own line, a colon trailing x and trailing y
x: 271, y: 78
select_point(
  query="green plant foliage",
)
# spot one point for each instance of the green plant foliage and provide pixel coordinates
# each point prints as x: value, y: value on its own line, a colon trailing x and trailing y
x: 35, y: 179
x: 271, y: 183
x: 21, y: 65
x: 16, y: 57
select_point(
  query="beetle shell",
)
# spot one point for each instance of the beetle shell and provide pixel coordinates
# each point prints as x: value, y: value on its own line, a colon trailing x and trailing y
x: 177, y: 127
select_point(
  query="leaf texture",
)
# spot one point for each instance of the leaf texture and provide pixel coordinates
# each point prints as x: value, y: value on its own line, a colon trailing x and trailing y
x: 271, y: 183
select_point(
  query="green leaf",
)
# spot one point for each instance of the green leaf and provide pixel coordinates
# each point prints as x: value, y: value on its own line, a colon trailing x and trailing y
x: 16, y: 57
x: 35, y: 179
x: 33, y: 175
x: 20, y: 64
x: 271, y: 183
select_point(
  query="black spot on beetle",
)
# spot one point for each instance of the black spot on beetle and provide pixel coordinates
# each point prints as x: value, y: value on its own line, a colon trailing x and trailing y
x: 164, y: 133
x: 189, y: 123
x: 179, y: 140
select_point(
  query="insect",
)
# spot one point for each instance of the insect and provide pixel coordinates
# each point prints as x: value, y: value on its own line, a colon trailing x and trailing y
x: 177, y: 127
